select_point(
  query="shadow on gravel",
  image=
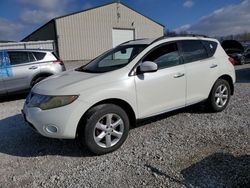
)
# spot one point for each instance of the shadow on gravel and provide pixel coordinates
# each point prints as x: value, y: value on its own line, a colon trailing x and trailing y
x: 17, y: 139
x: 219, y: 170
x: 216, y: 170
x: 243, y: 75
x: 13, y: 97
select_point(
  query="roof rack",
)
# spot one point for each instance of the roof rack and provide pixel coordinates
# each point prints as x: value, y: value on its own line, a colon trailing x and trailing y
x: 179, y: 35
x: 131, y: 41
x: 192, y: 35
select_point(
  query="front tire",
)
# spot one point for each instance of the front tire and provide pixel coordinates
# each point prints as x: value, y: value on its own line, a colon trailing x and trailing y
x: 104, y: 129
x: 219, y: 96
x: 37, y: 80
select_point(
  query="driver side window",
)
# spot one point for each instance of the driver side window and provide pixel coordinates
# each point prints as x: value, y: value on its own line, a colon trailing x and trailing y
x: 165, y: 56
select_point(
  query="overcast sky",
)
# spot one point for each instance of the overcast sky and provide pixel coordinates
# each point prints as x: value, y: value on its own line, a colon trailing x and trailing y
x: 18, y: 18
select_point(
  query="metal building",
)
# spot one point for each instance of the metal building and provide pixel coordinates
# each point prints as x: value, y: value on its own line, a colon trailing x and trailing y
x: 84, y: 35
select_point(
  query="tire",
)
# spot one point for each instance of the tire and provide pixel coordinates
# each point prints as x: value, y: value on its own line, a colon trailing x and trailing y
x: 39, y: 79
x: 104, y: 129
x: 219, y: 96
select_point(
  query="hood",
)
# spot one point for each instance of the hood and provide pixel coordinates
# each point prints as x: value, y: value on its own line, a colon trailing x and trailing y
x: 232, y: 46
x: 65, y: 83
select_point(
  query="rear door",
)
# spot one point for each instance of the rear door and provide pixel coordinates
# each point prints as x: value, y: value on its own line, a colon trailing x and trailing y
x: 201, y: 68
x: 23, y: 67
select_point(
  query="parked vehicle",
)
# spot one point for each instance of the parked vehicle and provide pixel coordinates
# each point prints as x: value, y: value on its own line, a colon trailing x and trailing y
x: 22, y: 69
x: 97, y: 103
x: 246, y: 54
x: 235, y: 50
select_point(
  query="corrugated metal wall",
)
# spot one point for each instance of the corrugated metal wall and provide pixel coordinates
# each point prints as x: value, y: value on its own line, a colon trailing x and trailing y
x: 87, y: 34
x: 49, y: 45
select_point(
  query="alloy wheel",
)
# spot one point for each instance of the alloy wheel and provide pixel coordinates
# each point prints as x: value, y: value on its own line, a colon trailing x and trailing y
x: 221, y: 95
x: 108, y: 130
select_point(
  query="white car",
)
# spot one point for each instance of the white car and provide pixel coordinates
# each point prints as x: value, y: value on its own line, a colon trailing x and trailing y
x: 97, y: 103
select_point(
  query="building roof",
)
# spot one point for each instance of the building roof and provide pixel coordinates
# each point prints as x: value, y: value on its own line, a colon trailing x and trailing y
x: 106, y: 5
x: 53, y: 20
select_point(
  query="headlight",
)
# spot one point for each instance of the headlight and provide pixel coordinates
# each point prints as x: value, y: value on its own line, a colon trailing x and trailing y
x: 46, y: 102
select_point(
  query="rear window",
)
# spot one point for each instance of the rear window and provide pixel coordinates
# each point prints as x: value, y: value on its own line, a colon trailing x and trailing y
x: 193, y: 50
x: 39, y: 55
x: 210, y: 46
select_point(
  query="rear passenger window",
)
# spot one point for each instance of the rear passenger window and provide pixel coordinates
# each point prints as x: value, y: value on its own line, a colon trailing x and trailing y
x: 18, y: 57
x: 39, y: 55
x: 210, y: 46
x: 164, y: 56
x: 193, y: 50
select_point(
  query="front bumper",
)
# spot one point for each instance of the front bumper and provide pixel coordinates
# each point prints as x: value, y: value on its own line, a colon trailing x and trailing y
x: 59, y: 122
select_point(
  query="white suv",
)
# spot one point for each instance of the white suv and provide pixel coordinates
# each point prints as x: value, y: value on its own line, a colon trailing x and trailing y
x: 98, y: 102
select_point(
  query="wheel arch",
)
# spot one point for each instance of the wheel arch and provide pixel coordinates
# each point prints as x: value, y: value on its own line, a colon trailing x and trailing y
x: 229, y: 80
x: 42, y: 74
x: 119, y: 102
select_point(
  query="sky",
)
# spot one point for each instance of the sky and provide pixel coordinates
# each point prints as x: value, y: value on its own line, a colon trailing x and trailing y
x: 18, y: 18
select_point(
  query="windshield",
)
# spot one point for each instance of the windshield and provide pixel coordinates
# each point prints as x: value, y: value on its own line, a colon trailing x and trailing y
x: 113, y: 59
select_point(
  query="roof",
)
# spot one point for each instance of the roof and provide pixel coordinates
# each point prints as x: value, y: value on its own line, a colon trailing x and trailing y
x: 149, y: 41
x: 52, y: 20
x: 146, y: 41
x: 27, y: 50
x: 106, y: 5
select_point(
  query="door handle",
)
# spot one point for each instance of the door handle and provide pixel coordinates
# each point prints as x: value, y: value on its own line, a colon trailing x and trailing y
x: 213, y: 66
x: 178, y: 75
x: 33, y: 67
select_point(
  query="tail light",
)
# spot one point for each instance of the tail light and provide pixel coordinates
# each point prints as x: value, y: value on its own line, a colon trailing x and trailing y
x: 58, y: 62
x: 231, y: 60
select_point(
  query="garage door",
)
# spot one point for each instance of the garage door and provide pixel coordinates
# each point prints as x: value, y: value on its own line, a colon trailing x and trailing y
x: 122, y: 35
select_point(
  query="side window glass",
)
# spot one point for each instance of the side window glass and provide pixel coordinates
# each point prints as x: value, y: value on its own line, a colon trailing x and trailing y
x: 210, y: 46
x: 164, y: 56
x: 193, y: 50
x: 39, y: 55
x: 18, y: 57
x: 31, y: 57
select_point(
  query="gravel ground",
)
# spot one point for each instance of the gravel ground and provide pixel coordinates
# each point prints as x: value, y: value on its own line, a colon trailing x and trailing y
x: 185, y: 148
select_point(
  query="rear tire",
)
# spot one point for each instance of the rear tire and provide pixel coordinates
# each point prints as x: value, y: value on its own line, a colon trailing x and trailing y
x: 104, y: 129
x: 219, y: 96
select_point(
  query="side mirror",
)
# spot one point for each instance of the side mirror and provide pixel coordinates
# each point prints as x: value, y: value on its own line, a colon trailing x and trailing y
x: 147, y: 66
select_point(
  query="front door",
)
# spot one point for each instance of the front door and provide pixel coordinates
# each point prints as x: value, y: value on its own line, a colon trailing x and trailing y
x: 165, y: 89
